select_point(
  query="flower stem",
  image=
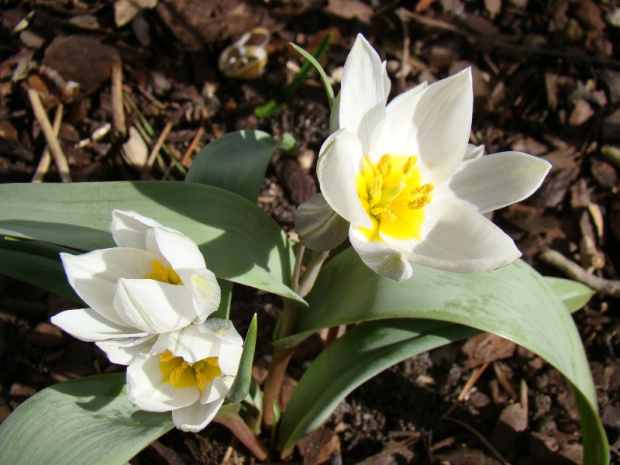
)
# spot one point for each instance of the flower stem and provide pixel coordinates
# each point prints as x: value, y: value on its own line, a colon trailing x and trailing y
x: 282, y: 355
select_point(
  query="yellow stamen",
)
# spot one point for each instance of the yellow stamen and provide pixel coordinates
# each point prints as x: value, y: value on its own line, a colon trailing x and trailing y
x: 375, y: 190
x: 385, y: 164
x: 388, y: 215
x: 162, y: 274
x: 409, y: 165
x: 393, y: 194
x: 181, y: 374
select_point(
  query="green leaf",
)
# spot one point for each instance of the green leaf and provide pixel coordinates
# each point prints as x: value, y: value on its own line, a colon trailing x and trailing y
x: 272, y: 106
x: 239, y: 241
x: 223, y: 311
x: 360, y: 354
x: 514, y: 302
x: 241, y: 386
x: 236, y: 162
x: 574, y: 295
x: 324, y: 78
x: 89, y: 420
x: 36, y: 263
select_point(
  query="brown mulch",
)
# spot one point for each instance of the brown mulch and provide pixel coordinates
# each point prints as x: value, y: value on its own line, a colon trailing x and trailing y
x: 546, y: 82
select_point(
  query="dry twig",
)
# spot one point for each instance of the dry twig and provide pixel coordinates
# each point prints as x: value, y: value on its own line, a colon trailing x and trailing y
x: 118, y: 113
x: 605, y: 287
x: 50, y: 137
x: 192, y: 147
x: 46, y: 158
x: 157, y: 146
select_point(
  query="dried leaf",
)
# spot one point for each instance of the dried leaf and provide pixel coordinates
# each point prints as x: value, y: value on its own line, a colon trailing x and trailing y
x: 486, y: 347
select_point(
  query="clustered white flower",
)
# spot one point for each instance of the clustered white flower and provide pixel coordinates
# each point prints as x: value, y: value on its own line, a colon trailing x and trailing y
x: 149, y: 302
x: 402, y: 182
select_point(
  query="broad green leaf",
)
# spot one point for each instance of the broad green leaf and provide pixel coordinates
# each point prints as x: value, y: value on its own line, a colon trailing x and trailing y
x: 574, y: 295
x: 514, y: 302
x: 36, y: 263
x: 236, y: 162
x: 360, y: 354
x: 239, y: 241
x: 89, y: 420
x: 241, y: 386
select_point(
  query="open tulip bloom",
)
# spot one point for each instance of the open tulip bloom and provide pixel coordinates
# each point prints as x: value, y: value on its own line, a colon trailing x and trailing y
x: 405, y: 179
x: 188, y: 372
x: 154, y: 282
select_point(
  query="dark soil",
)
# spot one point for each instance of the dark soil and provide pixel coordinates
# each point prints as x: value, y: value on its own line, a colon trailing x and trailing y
x: 546, y: 82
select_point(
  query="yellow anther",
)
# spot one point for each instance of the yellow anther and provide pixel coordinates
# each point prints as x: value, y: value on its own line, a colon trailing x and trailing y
x: 175, y: 375
x: 201, y: 380
x: 181, y: 374
x: 166, y: 356
x: 163, y: 275
x: 409, y: 165
x: 173, y: 277
x: 419, y: 202
x: 375, y: 190
x: 388, y: 215
x: 424, y: 189
x: 385, y: 164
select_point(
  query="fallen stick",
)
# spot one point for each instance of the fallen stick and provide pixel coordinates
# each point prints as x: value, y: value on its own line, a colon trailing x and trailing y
x: 160, y: 141
x: 52, y: 141
x: 605, y: 287
x: 118, y: 113
x: 192, y: 147
x: 46, y: 158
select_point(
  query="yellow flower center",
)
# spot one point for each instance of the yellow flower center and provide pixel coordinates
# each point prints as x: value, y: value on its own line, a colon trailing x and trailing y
x: 163, y: 274
x: 181, y: 374
x: 392, y: 193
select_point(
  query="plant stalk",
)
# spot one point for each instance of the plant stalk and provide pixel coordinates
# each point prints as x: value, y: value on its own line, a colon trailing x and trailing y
x: 282, y: 355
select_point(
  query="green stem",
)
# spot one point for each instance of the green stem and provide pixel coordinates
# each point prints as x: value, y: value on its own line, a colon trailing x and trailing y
x: 282, y: 356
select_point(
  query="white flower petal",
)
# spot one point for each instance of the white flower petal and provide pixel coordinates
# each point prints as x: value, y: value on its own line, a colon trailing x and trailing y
x: 473, y: 151
x: 230, y: 356
x: 125, y: 351
x: 192, y: 343
x: 217, y: 389
x: 88, y: 325
x: 129, y: 228
x: 492, y: 182
x: 195, y: 417
x: 456, y: 238
x: 391, y: 135
x: 93, y: 275
x: 153, y: 306
x: 364, y: 91
x: 223, y: 329
x: 179, y: 250
x: 442, y: 123
x: 213, y: 338
x: 148, y: 390
x: 206, y: 294
x: 380, y: 258
x: 319, y: 227
x: 340, y: 160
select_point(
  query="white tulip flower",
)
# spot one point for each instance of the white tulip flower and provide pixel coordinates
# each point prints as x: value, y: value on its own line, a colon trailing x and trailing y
x: 154, y: 282
x: 405, y: 179
x: 188, y: 372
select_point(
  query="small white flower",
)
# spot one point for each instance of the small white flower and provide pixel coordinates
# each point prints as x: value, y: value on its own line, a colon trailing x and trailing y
x: 154, y: 282
x: 188, y: 372
x: 407, y: 182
